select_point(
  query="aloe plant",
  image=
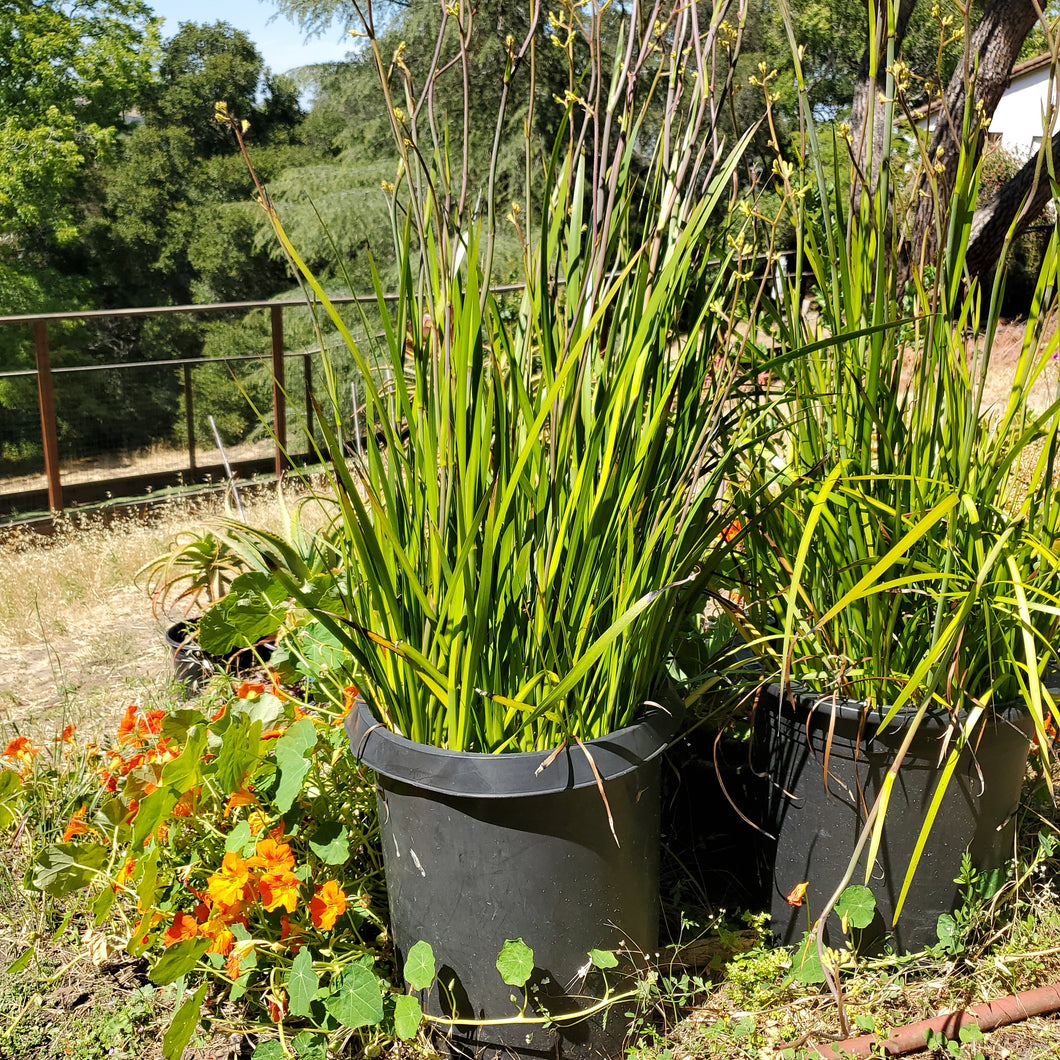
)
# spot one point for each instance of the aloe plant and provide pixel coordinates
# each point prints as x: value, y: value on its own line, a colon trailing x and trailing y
x: 550, y: 494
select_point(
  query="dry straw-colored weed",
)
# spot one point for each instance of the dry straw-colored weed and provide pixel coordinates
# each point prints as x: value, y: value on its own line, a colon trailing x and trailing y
x: 78, y: 640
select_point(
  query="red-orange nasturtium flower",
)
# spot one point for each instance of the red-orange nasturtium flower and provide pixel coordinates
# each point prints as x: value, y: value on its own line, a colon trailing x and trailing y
x: 231, y: 886
x: 125, y: 871
x: 327, y: 905
x: 232, y: 964
x: 127, y: 725
x: 249, y: 690
x: 131, y: 763
x: 732, y: 530
x: 21, y: 749
x: 152, y: 722
x: 277, y: 1007
x: 183, y: 927
x: 279, y: 888
x: 797, y: 894
x: 186, y: 803
x: 67, y: 734
x: 76, y: 825
x: 349, y: 697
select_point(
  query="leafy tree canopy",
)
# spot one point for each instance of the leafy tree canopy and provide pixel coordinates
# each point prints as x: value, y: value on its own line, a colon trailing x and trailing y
x: 69, y: 70
x: 204, y: 64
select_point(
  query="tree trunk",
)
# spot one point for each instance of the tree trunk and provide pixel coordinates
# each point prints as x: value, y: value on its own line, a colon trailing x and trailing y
x: 991, y: 53
x: 868, y: 114
x: 991, y: 222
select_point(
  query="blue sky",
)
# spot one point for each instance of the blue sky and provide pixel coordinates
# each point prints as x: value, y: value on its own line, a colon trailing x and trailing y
x: 281, y: 43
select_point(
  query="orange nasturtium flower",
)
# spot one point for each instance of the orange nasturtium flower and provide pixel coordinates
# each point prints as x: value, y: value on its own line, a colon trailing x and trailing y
x: 186, y: 803
x: 277, y: 1005
x: 732, y: 531
x: 67, y: 734
x: 244, y: 797
x: 327, y: 905
x: 249, y: 690
x: 256, y: 820
x: 229, y: 887
x: 222, y: 939
x: 279, y: 888
x: 76, y: 825
x: 127, y: 726
x: 183, y: 927
x: 272, y: 854
x: 21, y: 749
x: 797, y: 893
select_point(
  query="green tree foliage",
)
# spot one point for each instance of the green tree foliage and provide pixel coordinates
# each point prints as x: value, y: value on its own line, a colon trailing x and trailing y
x: 204, y: 64
x: 69, y: 71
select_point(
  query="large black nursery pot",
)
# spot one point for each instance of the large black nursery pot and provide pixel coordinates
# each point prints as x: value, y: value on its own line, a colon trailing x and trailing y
x: 817, y: 823
x: 482, y: 848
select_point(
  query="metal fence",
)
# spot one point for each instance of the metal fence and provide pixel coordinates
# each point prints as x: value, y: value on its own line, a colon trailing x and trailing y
x: 46, y: 463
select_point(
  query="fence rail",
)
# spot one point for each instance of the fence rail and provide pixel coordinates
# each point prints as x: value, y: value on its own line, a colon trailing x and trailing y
x: 45, y: 373
x: 61, y: 489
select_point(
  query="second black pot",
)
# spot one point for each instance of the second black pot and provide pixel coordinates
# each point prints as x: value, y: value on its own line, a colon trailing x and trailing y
x: 817, y: 820
x: 483, y: 848
x: 192, y: 666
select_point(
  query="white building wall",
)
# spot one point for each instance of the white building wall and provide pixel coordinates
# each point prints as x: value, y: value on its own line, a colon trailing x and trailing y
x: 1018, y: 117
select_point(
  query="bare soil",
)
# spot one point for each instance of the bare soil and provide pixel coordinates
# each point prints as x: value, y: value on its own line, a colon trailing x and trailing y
x: 112, y: 654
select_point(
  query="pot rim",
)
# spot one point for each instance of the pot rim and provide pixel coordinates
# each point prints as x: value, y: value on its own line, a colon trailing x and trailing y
x: 477, y: 774
x: 936, y: 719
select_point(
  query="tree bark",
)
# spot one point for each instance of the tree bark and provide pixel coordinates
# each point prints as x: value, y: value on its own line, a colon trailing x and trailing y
x: 991, y: 222
x: 991, y: 53
x: 868, y: 114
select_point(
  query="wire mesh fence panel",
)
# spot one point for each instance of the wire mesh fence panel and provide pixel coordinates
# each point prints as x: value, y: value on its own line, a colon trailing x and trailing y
x: 139, y: 399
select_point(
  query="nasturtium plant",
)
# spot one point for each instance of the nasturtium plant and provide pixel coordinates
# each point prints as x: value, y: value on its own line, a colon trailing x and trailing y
x: 235, y: 844
x: 856, y: 907
x: 603, y: 959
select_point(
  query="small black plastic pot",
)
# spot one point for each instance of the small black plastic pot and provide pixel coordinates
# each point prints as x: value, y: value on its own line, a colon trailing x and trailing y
x: 481, y: 848
x: 817, y: 819
x: 192, y: 666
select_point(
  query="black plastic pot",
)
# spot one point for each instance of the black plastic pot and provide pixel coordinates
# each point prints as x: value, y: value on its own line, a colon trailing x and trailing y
x: 192, y: 666
x: 482, y: 848
x: 816, y: 824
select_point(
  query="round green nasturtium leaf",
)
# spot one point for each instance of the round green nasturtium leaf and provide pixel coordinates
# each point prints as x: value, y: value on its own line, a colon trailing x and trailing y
x: 357, y: 999
x: 516, y: 962
x: 856, y: 906
x: 407, y: 1016
x: 419, y: 966
x: 603, y: 959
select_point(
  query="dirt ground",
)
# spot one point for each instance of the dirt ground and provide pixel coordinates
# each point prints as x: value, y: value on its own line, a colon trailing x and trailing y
x: 115, y: 655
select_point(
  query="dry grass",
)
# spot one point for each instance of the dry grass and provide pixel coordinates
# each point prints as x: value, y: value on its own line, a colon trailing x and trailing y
x: 118, y: 465
x: 78, y: 640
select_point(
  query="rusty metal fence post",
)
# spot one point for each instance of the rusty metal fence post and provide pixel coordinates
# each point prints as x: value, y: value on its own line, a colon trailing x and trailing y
x: 189, y: 416
x: 279, y: 396
x: 46, y: 400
